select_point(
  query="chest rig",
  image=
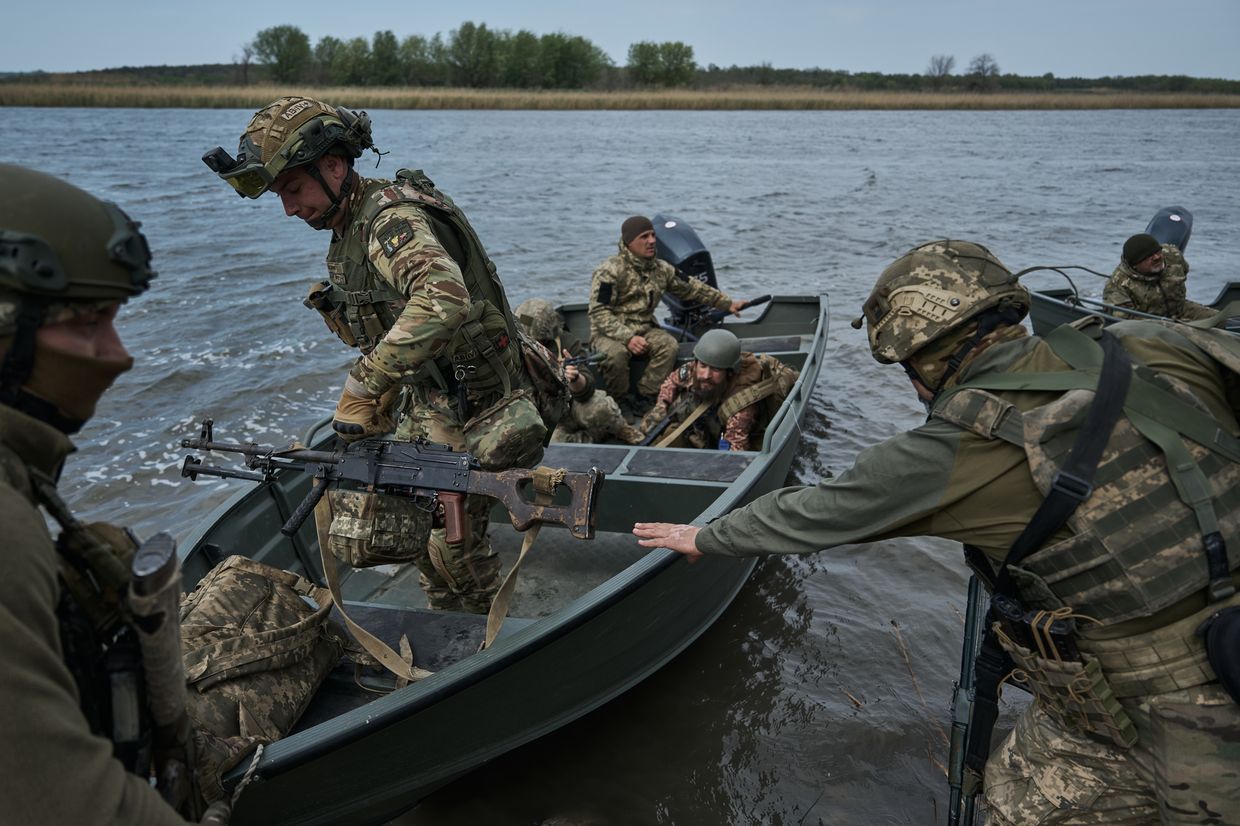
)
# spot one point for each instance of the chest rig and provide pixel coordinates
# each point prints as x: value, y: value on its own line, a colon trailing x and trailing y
x: 483, y: 354
x: 98, y: 645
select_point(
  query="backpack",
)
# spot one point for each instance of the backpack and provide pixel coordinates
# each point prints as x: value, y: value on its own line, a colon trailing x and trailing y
x: 546, y: 375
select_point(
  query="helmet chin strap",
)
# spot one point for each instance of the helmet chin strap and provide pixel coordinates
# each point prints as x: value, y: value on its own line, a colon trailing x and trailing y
x: 338, y: 200
x: 986, y: 324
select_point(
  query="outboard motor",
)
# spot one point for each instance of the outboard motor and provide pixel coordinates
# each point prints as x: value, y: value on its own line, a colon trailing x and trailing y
x: 679, y: 245
x: 1170, y: 225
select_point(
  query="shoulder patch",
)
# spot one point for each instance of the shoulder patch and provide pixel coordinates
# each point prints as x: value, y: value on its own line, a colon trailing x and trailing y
x: 394, y: 236
x: 604, y: 292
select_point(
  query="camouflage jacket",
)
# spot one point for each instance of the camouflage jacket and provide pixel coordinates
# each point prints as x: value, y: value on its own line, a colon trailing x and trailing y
x: 40, y: 712
x: 943, y: 480
x: 414, y: 280
x: 625, y: 290
x: 1161, y: 293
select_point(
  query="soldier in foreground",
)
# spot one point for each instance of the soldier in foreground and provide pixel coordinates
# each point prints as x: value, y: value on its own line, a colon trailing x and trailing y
x: 76, y: 727
x: 593, y: 416
x: 411, y: 287
x: 1151, y: 279
x: 624, y: 292
x: 1117, y: 579
x: 722, y: 399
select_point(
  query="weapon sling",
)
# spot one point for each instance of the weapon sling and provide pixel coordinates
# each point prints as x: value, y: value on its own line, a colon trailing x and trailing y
x: 685, y: 425
x: 1071, y: 486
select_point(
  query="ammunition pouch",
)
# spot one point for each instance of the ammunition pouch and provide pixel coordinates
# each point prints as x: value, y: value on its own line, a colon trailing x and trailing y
x: 321, y: 301
x: 483, y: 356
x: 369, y: 529
x: 1072, y: 691
x: 509, y: 433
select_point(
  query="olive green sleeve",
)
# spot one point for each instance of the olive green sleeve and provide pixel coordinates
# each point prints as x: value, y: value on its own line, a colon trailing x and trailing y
x: 891, y: 490
x: 55, y: 769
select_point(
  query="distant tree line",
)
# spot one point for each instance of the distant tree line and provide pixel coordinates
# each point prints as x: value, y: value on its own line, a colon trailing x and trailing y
x: 471, y: 56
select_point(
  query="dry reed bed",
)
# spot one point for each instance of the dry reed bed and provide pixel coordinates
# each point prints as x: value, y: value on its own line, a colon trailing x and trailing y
x: 772, y: 98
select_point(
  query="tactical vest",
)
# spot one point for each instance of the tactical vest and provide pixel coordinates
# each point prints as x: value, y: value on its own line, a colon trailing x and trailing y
x: 758, y: 378
x: 1169, y: 477
x: 479, y: 353
x: 98, y: 646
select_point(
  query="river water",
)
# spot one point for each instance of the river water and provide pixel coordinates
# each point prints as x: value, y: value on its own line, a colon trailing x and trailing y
x: 822, y: 695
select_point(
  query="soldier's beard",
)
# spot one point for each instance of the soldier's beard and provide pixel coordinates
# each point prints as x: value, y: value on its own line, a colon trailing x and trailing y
x: 712, y: 395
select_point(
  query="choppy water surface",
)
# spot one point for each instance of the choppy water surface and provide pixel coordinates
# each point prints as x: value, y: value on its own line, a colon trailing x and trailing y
x: 822, y: 695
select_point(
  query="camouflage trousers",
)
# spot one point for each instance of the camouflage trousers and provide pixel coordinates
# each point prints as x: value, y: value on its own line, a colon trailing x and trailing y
x: 1185, y: 767
x: 660, y: 359
x: 594, y: 420
x: 455, y: 577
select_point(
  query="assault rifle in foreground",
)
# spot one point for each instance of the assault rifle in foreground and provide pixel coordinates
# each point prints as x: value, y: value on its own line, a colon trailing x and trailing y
x: 432, y: 473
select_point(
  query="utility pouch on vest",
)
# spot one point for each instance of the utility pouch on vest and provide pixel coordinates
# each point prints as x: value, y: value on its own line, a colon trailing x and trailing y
x: 332, y: 312
x: 369, y: 529
x: 509, y: 433
x: 254, y: 650
x: 484, y: 358
x: 1074, y: 692
x: 1221, y: 633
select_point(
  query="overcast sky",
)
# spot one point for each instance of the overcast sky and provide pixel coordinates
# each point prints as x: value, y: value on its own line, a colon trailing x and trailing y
x: 1087, y: 38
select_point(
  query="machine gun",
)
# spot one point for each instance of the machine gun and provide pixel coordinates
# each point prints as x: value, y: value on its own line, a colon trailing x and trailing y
x: 962, y: 785
x: 425, y: 471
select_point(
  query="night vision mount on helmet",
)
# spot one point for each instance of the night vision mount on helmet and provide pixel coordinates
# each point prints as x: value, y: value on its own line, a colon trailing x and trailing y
x: 287, y: 133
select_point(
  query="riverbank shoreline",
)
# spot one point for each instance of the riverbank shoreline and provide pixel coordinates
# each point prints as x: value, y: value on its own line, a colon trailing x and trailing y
x: 773, y: 98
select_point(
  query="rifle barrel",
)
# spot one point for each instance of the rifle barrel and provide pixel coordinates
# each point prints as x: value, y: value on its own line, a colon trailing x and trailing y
x: 300, y: 454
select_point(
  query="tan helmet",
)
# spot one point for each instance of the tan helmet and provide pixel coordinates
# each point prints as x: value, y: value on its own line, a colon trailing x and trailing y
x: 64, y: 249
x: 720, y: 349
x: 289, y: 132
x: 934, y: 290
x: 539, y: 318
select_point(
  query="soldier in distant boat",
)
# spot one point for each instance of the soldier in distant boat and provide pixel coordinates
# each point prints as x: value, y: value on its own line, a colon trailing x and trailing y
x: 593, y: 415
x: 1151, y: 279
x: 624, y: 292
x: 724, y: 398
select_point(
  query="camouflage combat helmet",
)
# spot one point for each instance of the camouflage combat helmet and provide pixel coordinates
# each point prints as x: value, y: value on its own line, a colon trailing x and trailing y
x: 287, y: 133
x: 719, y: 349
x: 539, y: 318
x: 933, y: 290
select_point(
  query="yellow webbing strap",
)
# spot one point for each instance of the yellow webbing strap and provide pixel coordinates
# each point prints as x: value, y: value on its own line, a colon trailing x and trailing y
x: 683, y: 426
x: 545, y: 481
x: 374, y: 646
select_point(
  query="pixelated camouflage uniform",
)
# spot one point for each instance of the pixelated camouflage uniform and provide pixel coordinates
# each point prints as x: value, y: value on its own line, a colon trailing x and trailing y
x: 593, y: 415
x: 41, y: 704
x: 754, y: 390
x: 625, y: 290
x: 1163, y: 293
x: 964, y: 483
x: 408, y: 306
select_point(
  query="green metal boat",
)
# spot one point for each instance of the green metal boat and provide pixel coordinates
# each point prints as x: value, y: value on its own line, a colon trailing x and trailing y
x: 1053, y: 307
x: 590, y: 620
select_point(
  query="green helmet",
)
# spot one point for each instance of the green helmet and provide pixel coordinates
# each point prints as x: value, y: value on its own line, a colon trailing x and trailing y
x: 719, y: 349
x: 934, y: 290
x: 63, y: 248
x: 539, y: 318
x: 287, y: 133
